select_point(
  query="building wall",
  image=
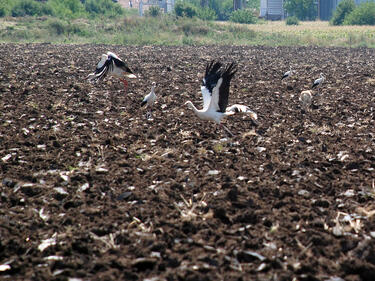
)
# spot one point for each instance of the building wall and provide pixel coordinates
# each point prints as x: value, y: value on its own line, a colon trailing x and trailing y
x: 166, y: 5
x: 272, y: 9
x: 275, y: 7
x: 326, y: 8
x: 263, y: 8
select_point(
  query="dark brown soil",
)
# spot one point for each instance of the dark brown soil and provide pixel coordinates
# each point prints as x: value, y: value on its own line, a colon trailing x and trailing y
x: 121, y: 197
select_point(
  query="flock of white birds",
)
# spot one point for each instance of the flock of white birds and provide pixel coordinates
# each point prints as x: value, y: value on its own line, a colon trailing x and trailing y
x: 214, y: 89
x: 305, y: 97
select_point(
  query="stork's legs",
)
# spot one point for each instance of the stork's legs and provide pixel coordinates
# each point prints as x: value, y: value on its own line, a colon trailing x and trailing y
x: 318, y: 91
x: 227, y: 130
x: 125, y: 84
x: 149, y: 113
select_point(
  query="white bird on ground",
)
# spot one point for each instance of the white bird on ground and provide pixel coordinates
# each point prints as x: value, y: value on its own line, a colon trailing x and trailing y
x: 305, y: 98
x: 150, y: 100
x: 288, y: 74
x: 215, y: 92
x: 111, y: 64
x: 319, y: 81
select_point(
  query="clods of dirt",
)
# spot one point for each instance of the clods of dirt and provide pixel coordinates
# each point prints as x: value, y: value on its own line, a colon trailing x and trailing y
x: 91, y: 189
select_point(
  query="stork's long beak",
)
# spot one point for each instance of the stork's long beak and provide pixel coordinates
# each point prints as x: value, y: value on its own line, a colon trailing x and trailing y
x: 130, y: 75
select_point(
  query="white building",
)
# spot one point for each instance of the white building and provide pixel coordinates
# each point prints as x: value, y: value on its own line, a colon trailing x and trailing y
x: 272, y: 9
x: 166, y: 5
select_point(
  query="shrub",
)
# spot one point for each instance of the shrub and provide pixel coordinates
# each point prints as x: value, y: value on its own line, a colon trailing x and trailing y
x: 61, y: 27
x: 344, y: 8
x: 2, y: 11
x: 223, y: 8
x: 243, y: 16
x: 206, y: 14
x: 30, y: 8
x: 364, y: 14
x: 292, y: 21
x: 302, y: 9
x: 57, y: 26
x: 193, y: 28
x: 77, y: 29
x: 67, y: 8
x: 103, y: 7
x: 132, y: 22
x: 153, y: 11
x: 183, y: 9
x: 189, y: 41
x: 6, y: 5
x: 241, y: 32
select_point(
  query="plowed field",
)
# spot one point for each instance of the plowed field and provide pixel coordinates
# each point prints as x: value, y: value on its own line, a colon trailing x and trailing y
x: 93, y: 190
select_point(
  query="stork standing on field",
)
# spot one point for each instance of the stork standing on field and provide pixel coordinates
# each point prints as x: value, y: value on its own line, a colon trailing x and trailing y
x: 111, y: 64
x: 318, y: 82
x: 287, y: 74
x: 215, y: 92
x: 150, y: 100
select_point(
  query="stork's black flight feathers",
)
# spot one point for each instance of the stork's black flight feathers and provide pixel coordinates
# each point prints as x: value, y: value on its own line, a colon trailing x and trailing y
x: 102, y: 71
x: 227, y: 76
x: 121, y: 64
x: 110, y: 63
x: 212, y: 75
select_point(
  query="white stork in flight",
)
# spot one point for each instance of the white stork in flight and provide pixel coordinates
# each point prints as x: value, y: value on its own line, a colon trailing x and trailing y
x: 215, y: 92
x: 111, y: 64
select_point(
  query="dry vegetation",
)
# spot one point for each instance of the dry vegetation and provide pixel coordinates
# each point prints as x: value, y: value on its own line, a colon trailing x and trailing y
x: 134, y: 30
x: 318, y: 33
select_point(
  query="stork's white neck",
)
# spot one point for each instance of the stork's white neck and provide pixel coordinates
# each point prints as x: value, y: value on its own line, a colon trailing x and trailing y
x: 208, y: 115
x: 192, y: 106
x: 201, y: 114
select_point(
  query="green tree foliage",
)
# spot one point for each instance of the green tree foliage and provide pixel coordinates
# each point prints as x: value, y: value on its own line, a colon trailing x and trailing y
x: 206, y: 14
x: 23, y: 8
x: 344, y: 8
x: 153, y: 11
x: 243, y: 16
x: 223, y: 9
x: 6, y: 6
x: 302, y: 9
x: 185, y: 9
x: 63, y: 9
x: 67, y: 8
x: 105, y: 8
x: 2, y: 11
x: 253, y: 4
x: 364, y: 14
